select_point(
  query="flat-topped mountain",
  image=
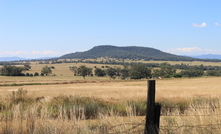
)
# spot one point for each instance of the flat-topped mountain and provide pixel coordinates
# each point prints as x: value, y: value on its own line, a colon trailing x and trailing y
x: 129, y: 52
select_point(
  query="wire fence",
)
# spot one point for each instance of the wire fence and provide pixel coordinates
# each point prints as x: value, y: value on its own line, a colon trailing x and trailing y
x: 211, y: 126
x: 201, y: 120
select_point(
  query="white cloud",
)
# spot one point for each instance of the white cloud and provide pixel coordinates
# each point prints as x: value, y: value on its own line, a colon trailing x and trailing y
x: 217, y: 24
x: 33, y: 54
x: 202, y: 25
x: 192, y: 51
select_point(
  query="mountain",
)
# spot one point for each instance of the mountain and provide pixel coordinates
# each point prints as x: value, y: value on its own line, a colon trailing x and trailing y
x: 11, y: 58
x: 207, y: 56
x: 130, y: 52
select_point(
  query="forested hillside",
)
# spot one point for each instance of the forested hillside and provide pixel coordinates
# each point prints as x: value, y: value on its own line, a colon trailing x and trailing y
x: 131, y: 52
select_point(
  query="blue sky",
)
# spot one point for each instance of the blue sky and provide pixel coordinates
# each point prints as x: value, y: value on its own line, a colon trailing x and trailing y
x: 48, y: 28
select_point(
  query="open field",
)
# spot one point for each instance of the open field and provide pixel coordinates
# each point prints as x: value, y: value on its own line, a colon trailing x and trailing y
x: 70, y: 104
x: 131, y: 89
x: 194, y: 92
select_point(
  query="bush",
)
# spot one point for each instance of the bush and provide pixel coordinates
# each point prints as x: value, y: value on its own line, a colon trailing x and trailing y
x: 36, y: 74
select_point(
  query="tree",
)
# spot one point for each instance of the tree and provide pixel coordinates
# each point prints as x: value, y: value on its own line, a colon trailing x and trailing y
x: 27, y: 66
x: 213, y: 73
x: 36, y: 74
x: 139, y: 71
x: 192, y: 73
x: 84, y: 71
x: 156, y: 73
x: 8, y: 70
x: 111, y: 72
x: 74, y: 69
x: 118, y: 70
x: 165, y: 71
x: 99, y: 72
x: 125, y: 73
x: 46, y: 70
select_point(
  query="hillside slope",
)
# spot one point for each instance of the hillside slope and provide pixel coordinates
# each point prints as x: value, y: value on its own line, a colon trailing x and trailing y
x: 130, y: 52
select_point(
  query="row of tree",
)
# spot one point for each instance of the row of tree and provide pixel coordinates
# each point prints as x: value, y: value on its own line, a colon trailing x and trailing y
x: 138, y: 71
x: 135, y: 71
x: 10, y: 70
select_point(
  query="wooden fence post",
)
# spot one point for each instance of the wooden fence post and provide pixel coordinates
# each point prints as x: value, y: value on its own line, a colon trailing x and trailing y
x: 152, y: 111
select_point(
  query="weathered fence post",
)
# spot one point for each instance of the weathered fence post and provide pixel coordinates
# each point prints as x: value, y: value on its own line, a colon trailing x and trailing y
x: 152, y: 111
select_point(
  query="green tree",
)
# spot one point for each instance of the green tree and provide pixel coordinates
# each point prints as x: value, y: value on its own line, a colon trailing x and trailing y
x: 139, y: 71
x: 27, y: 66
x: 118, y: 70
x: 213, y: 73
x: 125, y: 73
x: 110, y: 72
x: 167, y: 71
x: 192, y: 73
x: 74, y: 69
x: 84, y: 71
x: 156, y: 73
x: 8, y: 70
x: 36, y: 74
x: 99, y: 72
x: 46, y: 70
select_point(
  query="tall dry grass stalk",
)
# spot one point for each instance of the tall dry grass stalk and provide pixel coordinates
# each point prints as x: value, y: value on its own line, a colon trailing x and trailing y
x: 65, y: 114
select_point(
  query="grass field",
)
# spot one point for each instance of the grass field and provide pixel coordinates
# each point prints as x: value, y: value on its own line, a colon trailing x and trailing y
x: 113, y: 105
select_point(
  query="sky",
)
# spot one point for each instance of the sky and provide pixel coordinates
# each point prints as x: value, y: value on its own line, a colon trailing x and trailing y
x: 51, y: 28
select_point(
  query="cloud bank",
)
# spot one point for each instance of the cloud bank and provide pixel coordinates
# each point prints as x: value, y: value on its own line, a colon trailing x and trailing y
x: 192, y: 51
x: 33, y: 54
x: 201, y: 25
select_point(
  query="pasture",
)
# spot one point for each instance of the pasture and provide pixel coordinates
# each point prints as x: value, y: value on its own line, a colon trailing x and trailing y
x: 113, y: 105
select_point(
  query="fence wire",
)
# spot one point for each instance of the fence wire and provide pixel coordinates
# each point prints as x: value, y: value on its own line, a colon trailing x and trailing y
x: 211, y: 128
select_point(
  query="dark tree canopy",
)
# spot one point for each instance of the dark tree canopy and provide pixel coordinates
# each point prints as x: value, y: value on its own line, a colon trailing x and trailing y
x: 139, y: 71
x: 8, y: 70
x: 84, y: 71
x: 99, y: 72
x: 111, y: 72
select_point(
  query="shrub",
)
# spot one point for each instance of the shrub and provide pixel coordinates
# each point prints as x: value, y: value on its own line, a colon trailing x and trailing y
x: 36, y: 74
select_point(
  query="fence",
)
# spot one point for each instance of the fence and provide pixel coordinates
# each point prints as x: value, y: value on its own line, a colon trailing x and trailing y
x: 172, y: 119
x: 200, y: 120
x: 187, y: 116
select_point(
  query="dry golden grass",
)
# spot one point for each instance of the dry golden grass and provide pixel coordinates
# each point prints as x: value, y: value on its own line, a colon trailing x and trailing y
x: 171, y: 90
x: 131, y: 89
x: 180, y: 90
x: 63, y: 68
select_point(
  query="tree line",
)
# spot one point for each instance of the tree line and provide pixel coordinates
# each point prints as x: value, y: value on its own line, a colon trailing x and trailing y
x: 133, y: 71
x: 11, y: 70
x: 139, y: 71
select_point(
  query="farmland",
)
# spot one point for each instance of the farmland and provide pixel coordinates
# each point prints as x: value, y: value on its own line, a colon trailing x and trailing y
x: 114, y: 101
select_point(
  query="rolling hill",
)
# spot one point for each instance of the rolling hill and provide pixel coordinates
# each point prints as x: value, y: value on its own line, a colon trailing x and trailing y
x: 130, y: 52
